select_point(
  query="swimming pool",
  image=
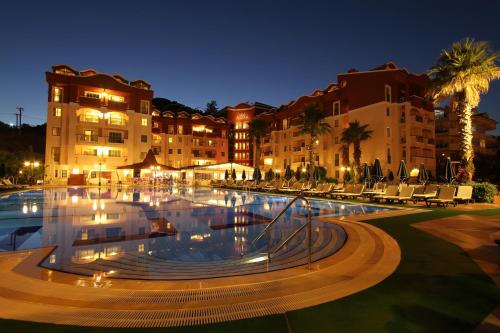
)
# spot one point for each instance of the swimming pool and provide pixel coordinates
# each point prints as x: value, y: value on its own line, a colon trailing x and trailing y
x: 166, y: 233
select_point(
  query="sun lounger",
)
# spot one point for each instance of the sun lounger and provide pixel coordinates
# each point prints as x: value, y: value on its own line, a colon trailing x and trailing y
x: 444, y: 198
x: 346, y: 189
x: 357, y: 191
x: 390, y: 191
x: 429, y: 192
x: 322, y: 188
x: 464, y: 194
x: 404, y: 195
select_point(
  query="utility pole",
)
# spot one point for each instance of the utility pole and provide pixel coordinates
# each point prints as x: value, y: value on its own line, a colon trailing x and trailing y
x: 20, y: 115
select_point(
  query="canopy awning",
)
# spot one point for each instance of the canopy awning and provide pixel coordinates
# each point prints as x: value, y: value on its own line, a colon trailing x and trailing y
x: 148, y: 162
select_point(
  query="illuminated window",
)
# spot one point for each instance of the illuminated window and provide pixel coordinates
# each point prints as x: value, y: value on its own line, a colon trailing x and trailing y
x: 91, y: 117
x: 140, y: 248
x: 57, y: 112
x: 64, y: 173
x: 170, y: 139
x: 56, y: 131
x: 116, y: 119
x: 114, y: 98
x: 144, y: 107
x: 56, y: 154
x: 179, y: 129
x: 144, y: 121
x: 155, y: 124
x: 170, y: 129
x: 115, y: 153
x: 91, y: 94
x: 57, y: 94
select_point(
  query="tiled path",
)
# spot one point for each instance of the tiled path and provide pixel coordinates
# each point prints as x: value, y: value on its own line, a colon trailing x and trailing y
x: 29, y: 292
x: 473, y: 234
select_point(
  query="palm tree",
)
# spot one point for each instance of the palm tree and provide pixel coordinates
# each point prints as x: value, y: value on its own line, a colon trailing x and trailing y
x: 464, y: 72
x: 312, y: 123
x: 256, y: 130
x: 355, y: 134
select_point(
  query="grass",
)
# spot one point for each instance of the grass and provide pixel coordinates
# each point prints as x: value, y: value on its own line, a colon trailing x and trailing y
x: 436, y: 288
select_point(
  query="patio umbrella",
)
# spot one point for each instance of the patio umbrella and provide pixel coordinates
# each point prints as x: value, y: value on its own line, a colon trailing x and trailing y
x: 269, y: 175
x: 423, y: 177
x: 402, y: 172
x: 347, y: 176
x: 378, y: 174
x: 288, y: 173
x: 449, y: 173
x: 298, y: 173
x: 255, y: 175
x: 226, y: 175
x: 233, y: 174
x: 259, y: 175
x: 244, y: 175
x: 366, y: 175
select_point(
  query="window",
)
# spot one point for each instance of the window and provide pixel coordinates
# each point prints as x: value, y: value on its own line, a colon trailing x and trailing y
x: 223, y: 154
x: 140, y: 248
x: 56, y: 173
x: 144, y: 121
x: 115, y: 137
x: 144, y: 138
x: 388, y: 132
x: 91, y: 94
x: 144, y: 107
x: 388, y: 97
x: 56, y: 131
x: 285, y: 123
x: 179, y: 151
x: 115, y: 153
x: 179, y: 129
x: 389, y: 155
x: 116, y: 119
x: 91, y: 117
x: 180, y: 140
x: 57, y: 94
x: 336, y: 108
x: 56, y: 154
x: 115, y: 98
x: 57, y: 112
x: 64, y: 173
x: 170, y: 129
x: 155, y: 124
x: 337, y: 160
x: 170, y: 151
x: 388, y: 112
x: 170, y: 139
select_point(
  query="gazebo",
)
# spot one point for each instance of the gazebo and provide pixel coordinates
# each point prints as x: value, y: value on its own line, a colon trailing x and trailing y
x: 149, y: 169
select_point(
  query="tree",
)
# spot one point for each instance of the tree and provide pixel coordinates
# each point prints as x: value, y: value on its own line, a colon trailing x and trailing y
x: 344, y: 150
x: 211, y: 107
x: 256, y: 130
x: 464, y: 72
x: 312, y: 123
x: 355, y: 134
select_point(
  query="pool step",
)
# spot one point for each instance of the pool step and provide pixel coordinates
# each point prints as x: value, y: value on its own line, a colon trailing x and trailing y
x: 129, y: 266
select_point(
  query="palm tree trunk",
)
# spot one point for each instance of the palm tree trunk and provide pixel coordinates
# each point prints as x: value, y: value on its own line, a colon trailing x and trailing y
x: 345, y: 154
x: 464, y: 114
x: 357, y: 154
x: 256, y: 157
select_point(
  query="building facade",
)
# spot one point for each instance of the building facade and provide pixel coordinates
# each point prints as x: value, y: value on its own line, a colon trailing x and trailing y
x: 98, y: 122
x: 447, y: 135
x: 95, y: 123
x: 390, y: 100
x: 181, y: 139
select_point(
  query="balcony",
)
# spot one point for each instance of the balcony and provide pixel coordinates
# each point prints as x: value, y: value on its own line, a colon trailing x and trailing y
x: 115, y: 140
x: 89, y: 101
x: 402, y: 140
x: 268, y: 153
x: 119, y: 106
x: 430, y: 141
x: 419, y: 119
x: 87, y: 138
x: 420, y: 139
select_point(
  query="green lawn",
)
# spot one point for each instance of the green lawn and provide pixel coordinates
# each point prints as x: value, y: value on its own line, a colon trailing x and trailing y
x: 436, y: 288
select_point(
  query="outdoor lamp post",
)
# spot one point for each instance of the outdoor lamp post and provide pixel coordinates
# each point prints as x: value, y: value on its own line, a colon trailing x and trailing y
x: 31, y: 165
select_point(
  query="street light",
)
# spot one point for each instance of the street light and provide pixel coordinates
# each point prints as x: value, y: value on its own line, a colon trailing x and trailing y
x: 31, y: 165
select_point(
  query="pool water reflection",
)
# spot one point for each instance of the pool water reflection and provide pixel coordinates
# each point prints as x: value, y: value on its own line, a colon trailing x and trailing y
x: 163, y: 233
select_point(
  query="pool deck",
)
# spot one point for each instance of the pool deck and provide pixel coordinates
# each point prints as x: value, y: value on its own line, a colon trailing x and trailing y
x: 32, y: 293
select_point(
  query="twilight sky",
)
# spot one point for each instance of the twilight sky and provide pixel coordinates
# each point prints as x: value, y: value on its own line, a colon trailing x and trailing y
x: 230, y: 51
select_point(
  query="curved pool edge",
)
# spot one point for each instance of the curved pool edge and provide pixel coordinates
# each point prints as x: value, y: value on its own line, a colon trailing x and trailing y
x: 33, y: 293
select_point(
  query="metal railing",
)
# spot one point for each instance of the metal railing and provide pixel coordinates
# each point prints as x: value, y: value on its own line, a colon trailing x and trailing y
x: 289, y: 238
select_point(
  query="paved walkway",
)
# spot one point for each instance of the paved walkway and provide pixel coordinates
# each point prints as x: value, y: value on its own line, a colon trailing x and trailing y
x: 474, y: 234
x: 29, y: 292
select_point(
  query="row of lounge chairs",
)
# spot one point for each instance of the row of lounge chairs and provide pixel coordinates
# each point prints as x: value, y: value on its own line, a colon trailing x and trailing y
x: 6, y: 184
x: 431, y: 194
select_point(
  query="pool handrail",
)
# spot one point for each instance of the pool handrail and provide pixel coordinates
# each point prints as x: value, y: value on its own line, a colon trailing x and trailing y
x: 308, y: 224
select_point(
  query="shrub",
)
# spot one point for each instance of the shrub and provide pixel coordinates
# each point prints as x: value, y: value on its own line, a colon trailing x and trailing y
x: 484, y: 192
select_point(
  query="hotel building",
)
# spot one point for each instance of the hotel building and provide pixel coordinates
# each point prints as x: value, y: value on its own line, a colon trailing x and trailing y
x: 447, y: 136
x: 98, y: 122
x: 181, y: 139
x: 387, y: 98
x: 95, y: 123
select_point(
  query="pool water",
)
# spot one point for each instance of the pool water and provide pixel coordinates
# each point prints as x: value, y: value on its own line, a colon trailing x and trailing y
x: 166, y: 233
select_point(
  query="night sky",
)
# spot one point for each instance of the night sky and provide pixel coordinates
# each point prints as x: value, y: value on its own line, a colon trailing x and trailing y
x: 230, y: 51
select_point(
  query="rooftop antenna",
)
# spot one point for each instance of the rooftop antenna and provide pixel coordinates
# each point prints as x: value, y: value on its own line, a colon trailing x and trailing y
x: 19, y: 115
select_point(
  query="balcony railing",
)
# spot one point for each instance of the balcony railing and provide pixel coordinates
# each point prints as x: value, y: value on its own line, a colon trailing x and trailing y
x: 430, y: 141
x: 89, y: 101
x: 420, y: 139
x: 87, y: 138
x: 114, y: 140
x: 119, y: 106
